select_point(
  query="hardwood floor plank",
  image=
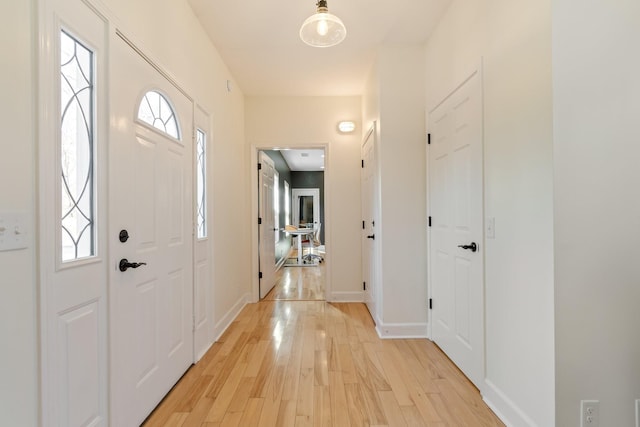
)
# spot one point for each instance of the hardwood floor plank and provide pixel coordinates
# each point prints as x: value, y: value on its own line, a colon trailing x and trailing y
x: 199, y: 413
x: 391, y: 409
x: 339, y: 409
x: 346, y: 364
x: 252, y: 412
x: 356, y: 405
x: 304, y: 404
x: 392, y: 374
x: 227, y: 391
x: 320, y: 368
x: 231, y: 419
x: 322, y: 406
x: 176, y: 419
x: 241, y: 395
x: 286, y: 414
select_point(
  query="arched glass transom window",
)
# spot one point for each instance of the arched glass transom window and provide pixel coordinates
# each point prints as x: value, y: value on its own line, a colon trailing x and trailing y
x: 155, y: 110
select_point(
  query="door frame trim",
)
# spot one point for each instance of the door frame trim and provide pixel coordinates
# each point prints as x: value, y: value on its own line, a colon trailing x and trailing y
x: 253, y: 161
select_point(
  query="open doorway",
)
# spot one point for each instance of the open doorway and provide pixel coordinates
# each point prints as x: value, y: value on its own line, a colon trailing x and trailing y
x: 295, y: 234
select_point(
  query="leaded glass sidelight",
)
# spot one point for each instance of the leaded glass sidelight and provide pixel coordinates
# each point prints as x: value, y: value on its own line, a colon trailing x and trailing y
x: 77, y: 143
x: 201, y: 182
x: 155, y: 110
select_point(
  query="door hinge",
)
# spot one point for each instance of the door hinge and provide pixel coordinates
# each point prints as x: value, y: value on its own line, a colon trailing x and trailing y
x: 430, y: 304
x: 364, y: 286
x: 259, y: 166
x: 429, y: 221
x: 259, y: 221
x: 362, y: 163
x: 260, y: 275
x: 428, y: 139
x: 363, y: 226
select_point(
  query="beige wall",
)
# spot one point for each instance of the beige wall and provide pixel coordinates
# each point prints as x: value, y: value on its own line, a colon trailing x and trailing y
x: 18, y: 304
x: 513, y: 40
x: 394, y: 99
x: 597, y: 208
x: 308, y: 121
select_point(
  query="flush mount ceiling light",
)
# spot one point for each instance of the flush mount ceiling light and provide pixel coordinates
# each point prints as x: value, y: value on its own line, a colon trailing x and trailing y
x: 322, y: 29
x: 346, y: 127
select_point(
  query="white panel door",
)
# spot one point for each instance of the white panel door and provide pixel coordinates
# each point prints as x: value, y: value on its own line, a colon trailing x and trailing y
x: 73, y: 215
x: 267, y: 236
x: 369, y: 203
x: 456, y: 243
x: 151, y: 312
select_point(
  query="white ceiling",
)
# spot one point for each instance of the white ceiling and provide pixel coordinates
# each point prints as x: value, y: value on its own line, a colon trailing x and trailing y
x: 259, y: 41
x: 304, y: 160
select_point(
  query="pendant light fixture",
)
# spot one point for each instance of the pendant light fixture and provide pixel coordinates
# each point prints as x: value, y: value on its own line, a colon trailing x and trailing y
x: 322, y: 29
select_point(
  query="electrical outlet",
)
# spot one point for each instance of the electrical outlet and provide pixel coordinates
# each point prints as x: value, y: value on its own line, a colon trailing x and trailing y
x: 589, y: 413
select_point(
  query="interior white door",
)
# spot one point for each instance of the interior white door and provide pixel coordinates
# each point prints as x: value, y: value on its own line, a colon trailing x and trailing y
x: 150, y: 193
x: 203, y: 280
x: 456, y: 207
x: 266, y: 235
x: 369, y: 221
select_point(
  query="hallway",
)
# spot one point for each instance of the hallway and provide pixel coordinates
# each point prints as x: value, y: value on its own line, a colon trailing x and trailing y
x: 299, y: 284
x: 314, y: 363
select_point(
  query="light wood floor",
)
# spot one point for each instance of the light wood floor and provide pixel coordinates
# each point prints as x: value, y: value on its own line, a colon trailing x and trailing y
x: 299, y: 283
x: 312, y: 363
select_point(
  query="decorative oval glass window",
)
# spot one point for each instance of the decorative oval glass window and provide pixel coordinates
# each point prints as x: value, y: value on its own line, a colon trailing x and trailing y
x: 155, y: 110
x: 77, y: 147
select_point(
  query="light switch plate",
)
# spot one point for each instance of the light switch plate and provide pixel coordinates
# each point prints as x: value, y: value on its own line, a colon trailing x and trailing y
x: 490, y: 228
x: 14, y: 232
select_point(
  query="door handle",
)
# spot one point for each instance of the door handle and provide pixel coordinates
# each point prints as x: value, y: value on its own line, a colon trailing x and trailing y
x: 125, y: 264
x: 471, y: 246
x: 373, y: 236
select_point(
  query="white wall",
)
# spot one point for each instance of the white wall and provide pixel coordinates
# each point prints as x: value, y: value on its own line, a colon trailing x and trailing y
x: 513, y: 38
x: 18, y: 303
x: 394, y: 98
x: 307, y: 121
x: 597, y: 207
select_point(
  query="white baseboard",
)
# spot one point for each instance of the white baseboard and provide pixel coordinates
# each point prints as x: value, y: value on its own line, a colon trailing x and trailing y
x: 202, y: 353
x: 230, y: 316
x: 510, y: 414
x: 347, y: 297
x: 401, y: 330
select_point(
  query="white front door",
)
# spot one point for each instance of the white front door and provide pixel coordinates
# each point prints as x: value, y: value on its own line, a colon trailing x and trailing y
x: 150, y: 195
x: 369, y: 221
x: 456, y: 210
x: 267, y: 236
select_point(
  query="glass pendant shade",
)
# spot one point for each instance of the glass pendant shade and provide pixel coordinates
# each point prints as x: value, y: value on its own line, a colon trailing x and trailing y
x: 322, y: 29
